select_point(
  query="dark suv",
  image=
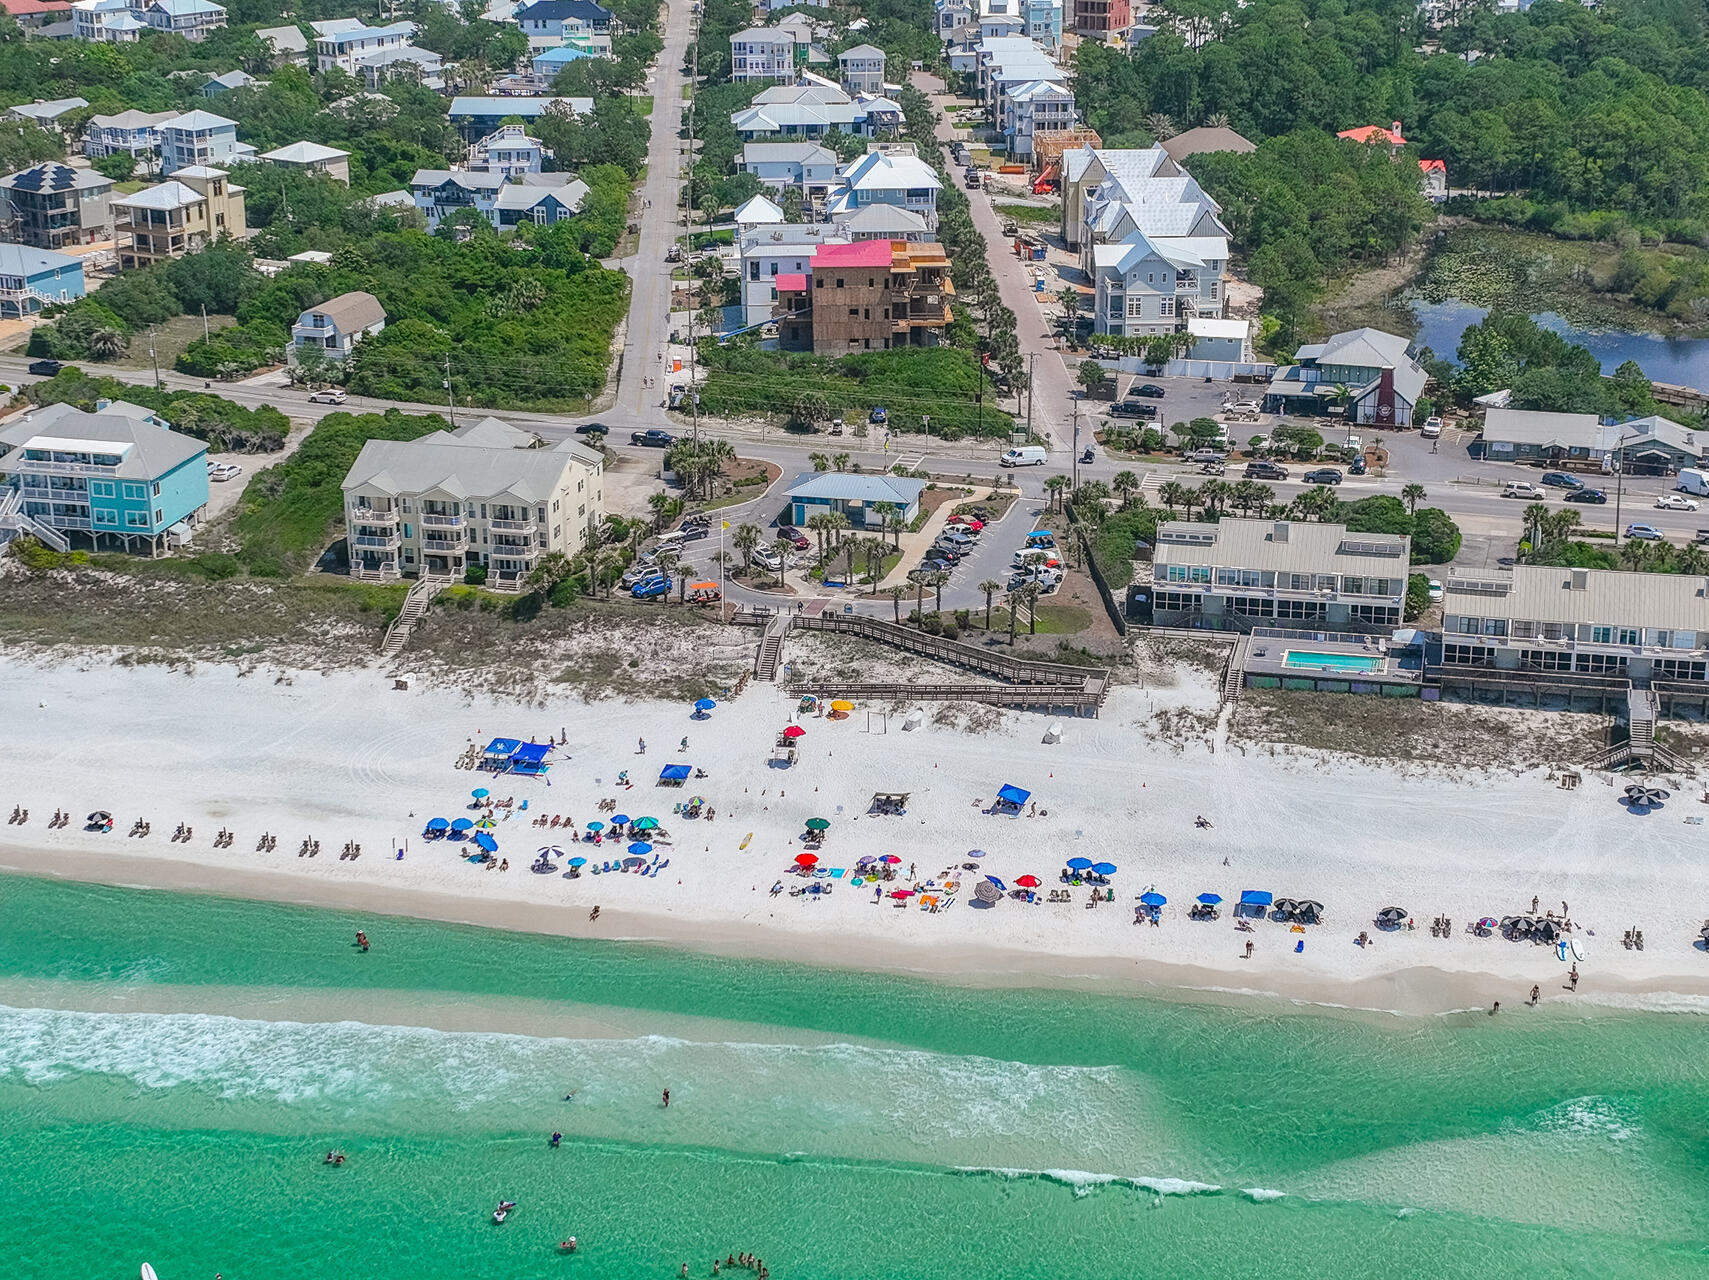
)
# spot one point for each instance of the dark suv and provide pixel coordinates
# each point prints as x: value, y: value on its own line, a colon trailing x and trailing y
x: 1561, y: 480
x: 654, y: 439
x: 1262, y: 470
x: 1323, y: 475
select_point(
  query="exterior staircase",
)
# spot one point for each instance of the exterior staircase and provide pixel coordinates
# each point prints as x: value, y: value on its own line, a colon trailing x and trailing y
x: 1640, y: 747
x: 415, y: 604
x: 770, y: 654
x: 14, y: 521
x: 1234, y: 674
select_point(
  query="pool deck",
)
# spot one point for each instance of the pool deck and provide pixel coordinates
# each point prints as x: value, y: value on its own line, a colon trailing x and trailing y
x: 1268, y: 648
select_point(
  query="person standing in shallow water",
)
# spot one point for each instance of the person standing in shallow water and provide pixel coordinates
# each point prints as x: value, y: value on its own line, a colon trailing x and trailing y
x: 667, y: 1098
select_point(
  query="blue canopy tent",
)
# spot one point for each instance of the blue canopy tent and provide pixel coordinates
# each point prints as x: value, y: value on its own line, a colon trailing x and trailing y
x: 1012, y: 797
x: 485, y: 843
x: 530, y: 758
x: 674, y: 775
x: 500, y: 750
x: 1253, y: 902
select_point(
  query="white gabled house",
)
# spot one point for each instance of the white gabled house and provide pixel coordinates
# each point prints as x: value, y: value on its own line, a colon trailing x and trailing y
x: 762, y: 53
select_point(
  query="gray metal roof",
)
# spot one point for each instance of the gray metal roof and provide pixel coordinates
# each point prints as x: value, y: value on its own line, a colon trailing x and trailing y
x: 1526, y: 426
x: 460, y: 468
x: 1608, y: 597
x: 147, y: 451
x: 787, y: 153
x: 1296, y: 546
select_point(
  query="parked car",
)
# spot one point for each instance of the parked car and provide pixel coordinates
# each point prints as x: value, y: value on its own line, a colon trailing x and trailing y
x: 967, y: 522
x: 949, y: 554
x: 1356, y: 467
x: 651, y: 588
x: 1644, y: 532
x: 693, y: 531
x: 1587, y: 495
x: 1561, y: 480
x: 1263, y: 470
x: 1435, y: 590
x: 1432, y: 428
x: 1520, y: 489
x: 654, y: 439
x: 1208, y: 455
x: 1135, y: 409
x: 789, y: 533
x: 636, y: 573
x: 767, y: 558
x: 593, y: 429
x: 1322, y: 475
x: 328, y: 395
x: 1147, y: 391
x: 1676, y: 502
x: 45, y: 368
x: 1243, y: 406
x: 223, y: 471
x: 878, y: 417
x: 1088, y: 455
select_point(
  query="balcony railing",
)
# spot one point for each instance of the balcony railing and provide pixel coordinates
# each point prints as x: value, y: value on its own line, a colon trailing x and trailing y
x: 431, y: 519
x: 20, y: 465
x: 443, y: 542
x: 369, y: 516
x: 377, y: 541
x: 511, y: 524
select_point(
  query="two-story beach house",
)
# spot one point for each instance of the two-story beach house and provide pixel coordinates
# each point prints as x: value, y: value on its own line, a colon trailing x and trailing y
x: 484, y: 494
x: 888, y: 176
x: 762, y: 53
x: 178, y: 216
x: 191, y: 19
x: 199, y: 138
x: 342, y: 43
x: 32, y: 278
x: 861, y: 69
x: 335, y: 326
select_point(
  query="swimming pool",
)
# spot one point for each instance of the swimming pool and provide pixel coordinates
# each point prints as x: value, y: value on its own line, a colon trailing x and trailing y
x: 1307, y: 658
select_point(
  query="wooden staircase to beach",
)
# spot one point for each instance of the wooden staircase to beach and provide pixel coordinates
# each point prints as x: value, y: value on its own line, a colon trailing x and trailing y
x: 1234, y: 673
x: 770, y: 654
x: 415, y: 604
x: 1639, y: 747
x: 14, y: 521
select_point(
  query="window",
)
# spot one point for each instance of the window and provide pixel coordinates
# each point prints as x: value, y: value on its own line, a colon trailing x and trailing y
x: 1547, y: 659
x: 1136, y: 307
x: 105, y: 515
x: 1676, y: 669
x: 1465, y: 655
x: 1302, y: 609
x: 136, y: 519
x: 1631, y: 635
x: 1166, y: 308
x: 101, y: 488
x: 136, y: 492
x: 157, y: 516
x: 157, y: 488
x: 1602, y: 635
x: 1600, y: 664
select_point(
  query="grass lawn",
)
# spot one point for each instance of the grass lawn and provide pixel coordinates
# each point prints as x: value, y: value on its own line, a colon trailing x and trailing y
x: 644, y: 104
x: 1053, y: 619
x: 1027, y: 212
x: 170, y: 339
x: 705, y: 239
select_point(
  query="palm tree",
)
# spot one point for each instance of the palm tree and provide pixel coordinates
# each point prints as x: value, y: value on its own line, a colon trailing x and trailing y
x: 1190, y: 499
x: 819, y: 461
x: 745, y: 539
x: 1054, y: 485
x: 1093, y: 493
x: 660, y: 505
x: 107, y: 344
x: 876, y: 551
x: 990, y: 587
x: 895, y: 525
x: 837, y: 524
x: 664, y: 562
x: 937, y: 580
x: 1030, y: 594
x: 896, y: 594
x: 1160, y: 126
x: 684, y: 570
x: 1215, y: 494
x: 840, y: 462
x: 604, y: 561
x: 886, y: 512
x: 1172, y: 494
x: 1012, y: 616
x: 1126, y: 484
x: 1533, y: 516
x: 782, y: 547
x: 1412, y: 495
x: 820, y: 526
x: 1217, y: 120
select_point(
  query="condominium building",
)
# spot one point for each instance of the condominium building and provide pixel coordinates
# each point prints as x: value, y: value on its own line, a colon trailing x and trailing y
x: 52, y: 206
x: 481, y: 495
x: 866, y: 296
x: 1236, y: 573
x: 179, y: 216
x: 1598, y: 622
x: 119, y: 476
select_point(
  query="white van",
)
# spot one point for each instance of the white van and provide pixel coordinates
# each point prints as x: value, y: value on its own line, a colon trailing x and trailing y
x: 1432, y: 428
x: 1692, y: 480
x: 1028, y: 455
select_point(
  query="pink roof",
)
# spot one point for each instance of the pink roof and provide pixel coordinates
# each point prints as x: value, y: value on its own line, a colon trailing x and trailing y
x: 863, y: 253
x: 1433, y: 166
x: 792, y: 282
x: 1375, y: 133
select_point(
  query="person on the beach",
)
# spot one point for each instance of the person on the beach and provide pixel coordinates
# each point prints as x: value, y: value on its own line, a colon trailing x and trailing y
x: 1249, y: 949
x: 1536, y: 994
x: 1533, y: 904
x: 361, y: 939
x: 642, y: 750
x: 557, y: 1138
x: 667, y: 1100
x: 1572, y: 977
x: 1495, y: 1008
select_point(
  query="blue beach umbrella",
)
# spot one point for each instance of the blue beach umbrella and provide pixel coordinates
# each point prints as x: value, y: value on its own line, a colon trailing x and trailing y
x: 462, y: 824
x: 596, y: 826
x: 1079, y: 864
x: 1210, y: 899
x: 704, y: 704
x: 976, y: 853
x: 1104, y: 868
x: 645, y: 824
x: 437, y: 824
x: 480, y: 793
x: 618, y: 819
x: 998, y: 883
x: 1153, y: 899
x: 640, y: 846
x: 485, y: 842
x: 578, y: 862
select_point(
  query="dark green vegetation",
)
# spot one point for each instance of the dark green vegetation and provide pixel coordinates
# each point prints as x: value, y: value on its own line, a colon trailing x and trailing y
x: 1544, y: 371
x: 227, y: 427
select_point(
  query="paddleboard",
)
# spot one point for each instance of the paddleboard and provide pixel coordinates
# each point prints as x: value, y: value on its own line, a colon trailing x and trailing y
x: 148, y: 1272
x: 1578, y: 949
x: 745, y: 840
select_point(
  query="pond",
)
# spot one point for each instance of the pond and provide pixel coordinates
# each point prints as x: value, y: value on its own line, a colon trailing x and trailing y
x: 1684, y: 361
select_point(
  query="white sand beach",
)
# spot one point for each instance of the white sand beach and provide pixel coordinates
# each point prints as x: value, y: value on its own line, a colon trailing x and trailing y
x: 342, y: 756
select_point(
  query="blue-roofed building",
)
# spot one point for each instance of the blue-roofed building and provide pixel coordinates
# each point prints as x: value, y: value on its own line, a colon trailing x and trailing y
x: 32, y: 278
x: 476, y: 117
x: 548, y: 62
x: 857, y: 497
x: 119, y: 476
x: 192, y: 19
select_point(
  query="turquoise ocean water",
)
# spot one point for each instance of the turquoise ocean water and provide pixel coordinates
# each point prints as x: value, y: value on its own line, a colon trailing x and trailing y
x: 172, y: 1069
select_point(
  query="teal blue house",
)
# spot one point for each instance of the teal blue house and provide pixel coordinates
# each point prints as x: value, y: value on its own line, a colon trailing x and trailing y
x: 118, y: 477
x: 32, y: 278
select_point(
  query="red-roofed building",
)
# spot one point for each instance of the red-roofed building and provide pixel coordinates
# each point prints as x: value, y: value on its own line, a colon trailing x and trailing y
x: 38, y: 13
x: 1376, y: 135
x: 1435, y: 180
x: 867, y: 296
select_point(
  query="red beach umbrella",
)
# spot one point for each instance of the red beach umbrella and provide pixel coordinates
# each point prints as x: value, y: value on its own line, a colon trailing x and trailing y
x: 903, y: 893
x: 1028, y: 882
x: 806, y: 859
x: 890, y: 858
x: 795, y: 731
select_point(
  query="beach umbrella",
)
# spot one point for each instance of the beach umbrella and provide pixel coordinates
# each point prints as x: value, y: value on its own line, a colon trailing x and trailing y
x: 596, y: 826
x: 902, y: 893
x: 462, y: 824
x: 1309, y: 910
x: 1392, y: 913
x: 1644, y: 797
x: 486, y: 843
x: 1210, y: 899
x: 1079, y: 864
x: 1285, y: 905
x: 619, y: 819
x: 994, y: 880
x: 865, y: 860
x: 806, y: 859
x: 1487, y: 922
x: 1153, y: 899
x: 578, y: 862
x: 1028, y: 882
x: 794, y: 731
x: 704, y: 704
x: 976, y: 853
x: 890, y: 859
x: 633, y: 862
x: 987, y: 892
x: 485, y: 824
x: 101, y: 815
x: 640, y: 846
x: 434, y: 824
x: 645, y: 824
x: 550, y: 851
x: 1104, y: 868
x: 480, y: 793
x: 818, y: 824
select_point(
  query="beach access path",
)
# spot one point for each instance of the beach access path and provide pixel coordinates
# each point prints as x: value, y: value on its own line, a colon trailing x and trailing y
x: 343, y: 756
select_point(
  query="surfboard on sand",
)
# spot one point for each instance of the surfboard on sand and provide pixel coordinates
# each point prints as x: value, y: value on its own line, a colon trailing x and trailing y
x: 1579, y: 950
x: 745, y: 840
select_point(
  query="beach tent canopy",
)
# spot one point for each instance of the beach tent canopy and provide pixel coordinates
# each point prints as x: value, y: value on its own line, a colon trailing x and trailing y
x: 1008, y: 793
x: 795, y: 731
x: 437, y: 824
x: 1254, y: 898
x: 530, y: 753
x: 502, y: 748
x: 676, y: 773
x: 486, y: 843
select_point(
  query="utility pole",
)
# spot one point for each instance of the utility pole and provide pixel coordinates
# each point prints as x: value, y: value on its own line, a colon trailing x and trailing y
x: 687, y: 206
x: 205, y: 336
x: 155, y: 357
x: 1074, y: 461
x: 450, y: 395
x: 1032, y: 384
